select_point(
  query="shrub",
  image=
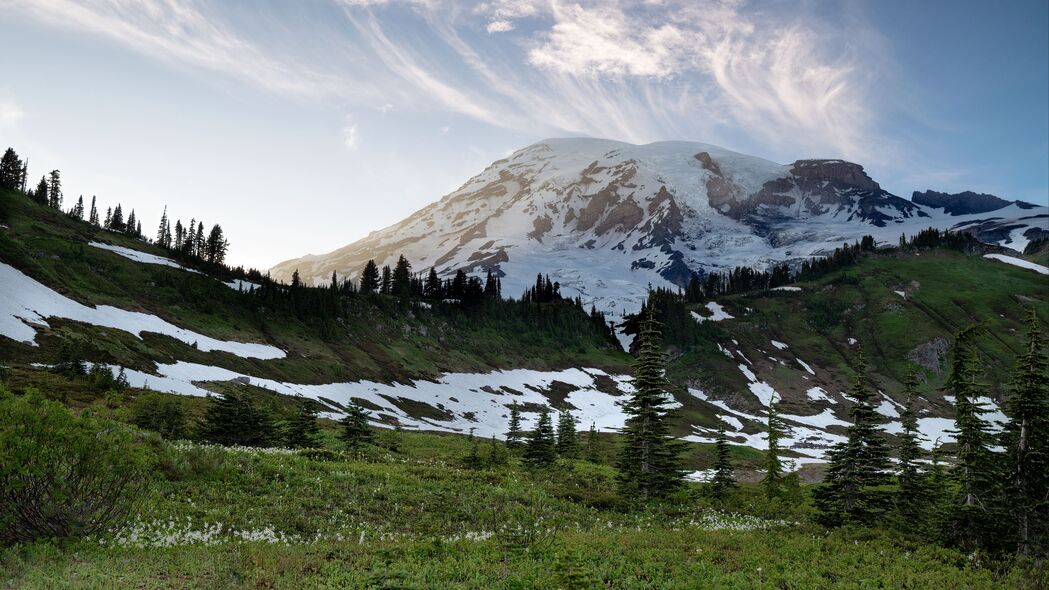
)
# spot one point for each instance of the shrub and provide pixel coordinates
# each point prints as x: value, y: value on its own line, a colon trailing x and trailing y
x: 163, y: 414
x: 196, y: 463
x: 63, y: 476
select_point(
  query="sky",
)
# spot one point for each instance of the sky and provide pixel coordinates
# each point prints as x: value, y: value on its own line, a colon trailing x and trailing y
x: 302, y: 126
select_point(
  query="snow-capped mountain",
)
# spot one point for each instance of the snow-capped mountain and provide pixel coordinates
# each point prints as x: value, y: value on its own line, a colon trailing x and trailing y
x: 606, y: 218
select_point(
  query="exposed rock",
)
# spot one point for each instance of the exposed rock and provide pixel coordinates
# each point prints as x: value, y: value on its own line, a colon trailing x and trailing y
x: 964, y: 203
x: 930, y: 355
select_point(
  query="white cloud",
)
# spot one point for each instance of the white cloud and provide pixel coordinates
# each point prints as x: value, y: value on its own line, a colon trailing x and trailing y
x: 499, y: 26
x: 350, y: 136
x: 10, y: 113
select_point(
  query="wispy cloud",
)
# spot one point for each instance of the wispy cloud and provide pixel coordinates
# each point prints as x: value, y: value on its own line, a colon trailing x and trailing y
x: 350, y: 136
x: 10, y: 113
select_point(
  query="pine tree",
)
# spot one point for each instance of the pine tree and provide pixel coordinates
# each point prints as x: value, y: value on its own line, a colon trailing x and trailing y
x: 724, y: 480
x: 216, y: 246
x: 541, y: 449
x: 40, y: 194
x: 1026, y: 440
x: 356, y: 432
x: 401, y: 280
x: 116, y: 221
x: 11, y: 170
x: 975, y: 467
x: 593, y: 448
x: 567, y: 440
x: 858, y: 466
x: 199, y: 241
x: 913, y: 498
x: 54, y: 190
x: 77, y: 212
x: 302, y: 429
x: 370, y: 277
x: 514, y: 435
x: 386, y: 281
x: 432, y: 288
x: 233, y: 419
x: 130, y: 226
x: 164, y: 230
x: 109, y: 218
x: 773, y: 480
x: 93, y: 217
x: 649, y: 464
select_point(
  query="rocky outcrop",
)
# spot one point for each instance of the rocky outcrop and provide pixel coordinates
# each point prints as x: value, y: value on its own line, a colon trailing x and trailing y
x: 964, y: 203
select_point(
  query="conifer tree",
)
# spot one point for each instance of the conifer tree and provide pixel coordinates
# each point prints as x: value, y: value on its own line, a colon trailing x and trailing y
x: 216, y: 246
x: 164, y: 231
x: 386, y: 281
x: 567, y: 440
x: 724, y: 480
x: 370, y: 277
x: 859, y: 466
x: 93, y: 216
x: 541, y: 449
x: 773, y: 480
x: 54, y: 190
x: 1026, y: 440
x: 199, y: 241
x: 116, y: 221
x: 913, y: 498
x: 109, y: 218
x: 233, y: 419
x: 975, y: 467
x: 356, y: 432
x: 593, y: 449
x: 302, y: 429
x: 649, y: 463
x: 11, y: 170
x: 77, y: 212
x: 514, y: 435
x: 432, y: 288
x: 401, y: 279
x: 130, y: 226
x: 40, y: 194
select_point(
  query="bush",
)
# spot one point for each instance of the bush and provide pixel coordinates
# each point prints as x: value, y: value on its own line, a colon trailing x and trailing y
x: 63, y: 476
x: 196, y: 463
x: 163, y: 414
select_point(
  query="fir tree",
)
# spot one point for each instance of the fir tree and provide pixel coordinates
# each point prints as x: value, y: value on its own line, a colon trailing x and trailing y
x: 77, y: 212
x: 724, y: 480
x: 913, y: 498
x: 40, y: 194
x: 649, y: 464
x: 859, y: 466
x: 401, y: 280
x: 497, y: 454
x: 386, y: 281
x: 356, y: 432
x: 164, y: 231
x: 514, y: 435
x: 302, y: 429
x: 1026, y: 440
x: 11, y: 170
x: 432, y: 288
x: 54, y: 190
x: 593, y: 448
x: 975, y: 469
x: 130, y: 225
x: 542, y: 448
x: 216, y: 246
x: 370, y: 277
x: 199, y: 241
x: 567, y: 440
x: 93, y: 216
x: 233, y: 419
x: 773, y: 480
x: 116, y: 221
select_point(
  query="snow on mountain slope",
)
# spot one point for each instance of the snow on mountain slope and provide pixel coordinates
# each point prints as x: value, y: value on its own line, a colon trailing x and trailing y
x: 606, y: 219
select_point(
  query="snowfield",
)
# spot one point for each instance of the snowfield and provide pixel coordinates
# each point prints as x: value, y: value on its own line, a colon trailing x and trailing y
x: 1038, y: 268
x: 24, y: 301
x: 138, y: 256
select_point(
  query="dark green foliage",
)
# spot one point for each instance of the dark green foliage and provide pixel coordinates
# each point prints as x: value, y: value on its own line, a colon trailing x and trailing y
x: 40, y: 194
x: 724, y: 480
x: 976, y: 468
x: 649, y: 462
x: 232, y: 418
x: 541, y: 449
x: 370, y: 278
x: 514, y: 435
x: 1026, y: 440
x: 11, y: 170
x: 356, y: 432
x: 567, y: 439
x: 497, y: 453
x: 857, y: 474
x: 63, y: 476
x: 302, y: 431
x: 54, y: 190
x: 593, y: 445
x: 163, y: 414
x: 772, y: 482
x: 401, y: 280
x: 914, y: 496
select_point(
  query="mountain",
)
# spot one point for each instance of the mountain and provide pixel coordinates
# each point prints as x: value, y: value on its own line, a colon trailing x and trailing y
x: 606, y: 219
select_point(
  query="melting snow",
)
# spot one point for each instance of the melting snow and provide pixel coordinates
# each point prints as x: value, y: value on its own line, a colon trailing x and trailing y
x: 786, y: 289
x: 1038, y: 268
x: 138, y: 256
x: 779, y: 345
x: 805, y: 366
x: 24, y: 301
x: 717, y: 313
x: 818, y: 394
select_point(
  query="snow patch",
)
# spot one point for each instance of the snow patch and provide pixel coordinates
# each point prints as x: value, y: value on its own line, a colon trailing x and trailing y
x: 1038, y: 268
x: 779, y: 344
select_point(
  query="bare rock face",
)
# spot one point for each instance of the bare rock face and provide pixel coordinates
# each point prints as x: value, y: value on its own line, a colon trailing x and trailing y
x: 809, y: 173
x: 930, y: 355
x: 964, y: 203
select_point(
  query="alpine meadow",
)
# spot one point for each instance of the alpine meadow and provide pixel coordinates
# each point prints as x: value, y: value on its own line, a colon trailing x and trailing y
x: 548, y: 337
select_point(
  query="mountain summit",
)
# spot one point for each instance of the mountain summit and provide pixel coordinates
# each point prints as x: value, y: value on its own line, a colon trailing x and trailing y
x: 606, y: 218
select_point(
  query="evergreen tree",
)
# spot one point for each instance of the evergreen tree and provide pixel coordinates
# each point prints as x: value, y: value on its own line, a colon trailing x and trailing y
x: 859, y: 466
x: 497, y: 454
x: 386, y: 281
x: 11, y: 170
x: 130, y: 226
x: 164, y: 231
x: 116, y: 221
x: 216, y: 246
x: 296, y: 281
x: 77, y: 212
x: 593, y: 449
x: 542, y: 448
x: 356, y: 432
x: 370, y: 277
x: 975, y: 467
x: 724, y: 480
x: 302, y: 429
x: 913, y: 498
x: 200, y: 241
x: 649, y: 464
x: 54, y: 190
x: 773, y: 480
x: 93, y: 217
x: 1026, y: 440
x: 432, y: 289
x: 567, y: 440
x: 233, y: 419
x: 109, y: 218
x: 514, y: 435
x: 401, y: 280
x: 40, y: 194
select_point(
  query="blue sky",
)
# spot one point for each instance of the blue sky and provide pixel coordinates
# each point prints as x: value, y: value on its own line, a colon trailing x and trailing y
x: 302, y: 126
